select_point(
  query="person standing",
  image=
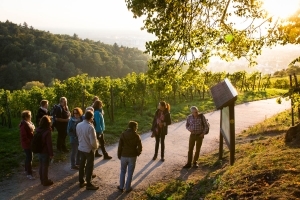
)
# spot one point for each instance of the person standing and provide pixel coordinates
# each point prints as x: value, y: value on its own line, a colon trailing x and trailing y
x: 43, y: 110
x: 26, y: 133
x: 160, y: 123
x: 88, y: 144
x: 100, y: 127
x: 71, y: 130
x: 62, y: 116
x: 130, y: 146
x: 47, y: 152
x: 195, y: 125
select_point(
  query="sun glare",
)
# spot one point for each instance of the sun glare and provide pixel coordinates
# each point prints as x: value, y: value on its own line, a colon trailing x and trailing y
x: 281, y: 8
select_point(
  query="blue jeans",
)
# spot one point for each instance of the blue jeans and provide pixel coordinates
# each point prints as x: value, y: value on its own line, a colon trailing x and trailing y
x: 130, y: 163
x: 44, y: 160
x: 86, y: 166
x: 75, y: 156
x: 28, y: 161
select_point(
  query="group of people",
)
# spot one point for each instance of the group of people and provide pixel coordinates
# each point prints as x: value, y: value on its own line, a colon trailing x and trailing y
x: 86, y: 132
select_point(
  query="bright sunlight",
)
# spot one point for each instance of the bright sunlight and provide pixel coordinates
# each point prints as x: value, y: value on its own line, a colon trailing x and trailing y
x: 281, y: 8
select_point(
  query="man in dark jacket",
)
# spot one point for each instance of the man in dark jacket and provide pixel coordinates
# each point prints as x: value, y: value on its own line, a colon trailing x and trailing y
x: 130, y: 146
x: 43, y: 110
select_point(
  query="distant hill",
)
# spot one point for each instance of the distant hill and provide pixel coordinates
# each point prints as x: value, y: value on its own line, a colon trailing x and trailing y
x: 28, y: 54
x: 270, y: 61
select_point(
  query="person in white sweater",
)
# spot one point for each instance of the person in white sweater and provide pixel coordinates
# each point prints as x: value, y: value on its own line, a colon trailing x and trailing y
x: 88, y: 144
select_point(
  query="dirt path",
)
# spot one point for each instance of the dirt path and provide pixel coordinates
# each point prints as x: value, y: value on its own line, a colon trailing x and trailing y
x: 147, y: 171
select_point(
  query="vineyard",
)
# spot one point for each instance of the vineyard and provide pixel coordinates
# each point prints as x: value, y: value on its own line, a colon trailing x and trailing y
x: 136, y: 93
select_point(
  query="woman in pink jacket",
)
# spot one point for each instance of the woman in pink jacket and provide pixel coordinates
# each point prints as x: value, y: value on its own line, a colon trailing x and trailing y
x: 26, y: 132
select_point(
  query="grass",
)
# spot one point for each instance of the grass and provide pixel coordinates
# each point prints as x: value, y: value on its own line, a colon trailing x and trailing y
x: 12, y: 156
x: 265, y: 168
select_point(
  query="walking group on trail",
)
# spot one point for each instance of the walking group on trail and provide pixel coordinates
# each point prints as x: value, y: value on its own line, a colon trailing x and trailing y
x: 86, y: 132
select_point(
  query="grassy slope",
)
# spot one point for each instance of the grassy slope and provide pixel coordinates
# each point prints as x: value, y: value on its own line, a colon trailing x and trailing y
x: 265, y: 168
x: 11, y: 153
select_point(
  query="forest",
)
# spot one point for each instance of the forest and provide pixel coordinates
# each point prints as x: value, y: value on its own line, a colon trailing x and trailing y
x: 28, y: 54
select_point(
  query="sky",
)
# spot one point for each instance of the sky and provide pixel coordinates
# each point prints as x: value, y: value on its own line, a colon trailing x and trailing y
x: 70, y: 14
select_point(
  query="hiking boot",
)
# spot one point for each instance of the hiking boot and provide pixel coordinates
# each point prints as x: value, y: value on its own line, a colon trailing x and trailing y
x: 129, y: 190
x: 154, y: 157
x: 97, y: 154
x: 75, y: 168
x: 48, y: 183
x: 92, y: 187
x: 107, y: 157
x: 30, y: 177
x: 187, y: 166
x: 162, y: 159
x: 120, y: 189
x: 81, y: 185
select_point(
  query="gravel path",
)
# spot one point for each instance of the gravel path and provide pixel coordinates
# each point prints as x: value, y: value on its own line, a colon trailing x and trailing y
x: 147, y: 171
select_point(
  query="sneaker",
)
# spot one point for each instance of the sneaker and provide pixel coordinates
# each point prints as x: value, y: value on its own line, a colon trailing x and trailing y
x: 30, y: 177
x: 154, y: 157
x: 187, y: 166
x: 48, y: 183
x: 120, y: 189
x: 81, y: 185
x: 162, y: 159
x: 107, y: 157
x: 92, y: 187
x: 75, y: 168
x: 97, y: 154
x: 93, y: 175
x: 195, y: 165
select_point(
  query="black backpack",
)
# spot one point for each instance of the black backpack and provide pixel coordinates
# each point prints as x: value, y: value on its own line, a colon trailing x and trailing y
x: 205, y: 123
x: 53, y: 113
x: 37, y: 142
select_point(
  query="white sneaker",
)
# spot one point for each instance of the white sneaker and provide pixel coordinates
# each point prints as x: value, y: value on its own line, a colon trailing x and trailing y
x: 30, y: 177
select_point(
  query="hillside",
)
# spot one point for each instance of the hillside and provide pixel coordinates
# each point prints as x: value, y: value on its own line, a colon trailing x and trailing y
x: 28, y: 54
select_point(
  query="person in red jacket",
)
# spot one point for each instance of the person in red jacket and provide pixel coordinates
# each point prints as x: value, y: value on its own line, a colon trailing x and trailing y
x: 47, y: 153
x: 26, y: 133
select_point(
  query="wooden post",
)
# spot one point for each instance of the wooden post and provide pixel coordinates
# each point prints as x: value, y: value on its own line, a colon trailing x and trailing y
x: 232, y: 133
x: 221, y: 139
x: 292, y: 102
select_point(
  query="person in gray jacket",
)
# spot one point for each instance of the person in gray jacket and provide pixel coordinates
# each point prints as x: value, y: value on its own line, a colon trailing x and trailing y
x: 88, y: 144
x: 130, y: 146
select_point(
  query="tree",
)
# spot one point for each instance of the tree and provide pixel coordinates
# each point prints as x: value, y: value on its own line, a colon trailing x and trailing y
x: 193, y: 31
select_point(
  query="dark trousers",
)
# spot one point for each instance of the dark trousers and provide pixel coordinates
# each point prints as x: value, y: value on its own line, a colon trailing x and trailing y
x: 44, y: 161
x: 160, y: 137
x: 100, y: 138
x: 194, y: 139
x: 61, y: 137
x: 28, y: 161
x: 86, y: 166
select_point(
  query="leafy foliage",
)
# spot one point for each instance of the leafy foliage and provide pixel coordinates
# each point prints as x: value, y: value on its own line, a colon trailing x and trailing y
x: 28, y: 54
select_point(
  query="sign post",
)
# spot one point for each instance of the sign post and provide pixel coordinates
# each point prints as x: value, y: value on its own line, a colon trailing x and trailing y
x: 224, y: 96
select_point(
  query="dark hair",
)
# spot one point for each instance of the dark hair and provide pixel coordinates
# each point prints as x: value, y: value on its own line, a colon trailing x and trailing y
x: 165, y: 105
x: 25, y: 114
x: 45, y: 122
x: 43, y: 102
x: 95, y: 98
x: 88, y: 115
x: 97, y: 104
x: 78, y: 110
x: 132, y: 124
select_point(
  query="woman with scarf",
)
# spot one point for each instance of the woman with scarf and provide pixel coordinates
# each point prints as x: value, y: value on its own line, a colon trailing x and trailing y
x: 71, y: 130
x: 26, y: 133
x: 160, y: 123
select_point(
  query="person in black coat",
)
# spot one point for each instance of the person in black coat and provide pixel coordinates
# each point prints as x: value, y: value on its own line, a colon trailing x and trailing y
x: 160, y: 123
x: 43, y: 110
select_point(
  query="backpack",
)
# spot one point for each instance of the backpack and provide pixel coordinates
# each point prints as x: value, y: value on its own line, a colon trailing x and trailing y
x: 37, y: 142
x: 205, y: 123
